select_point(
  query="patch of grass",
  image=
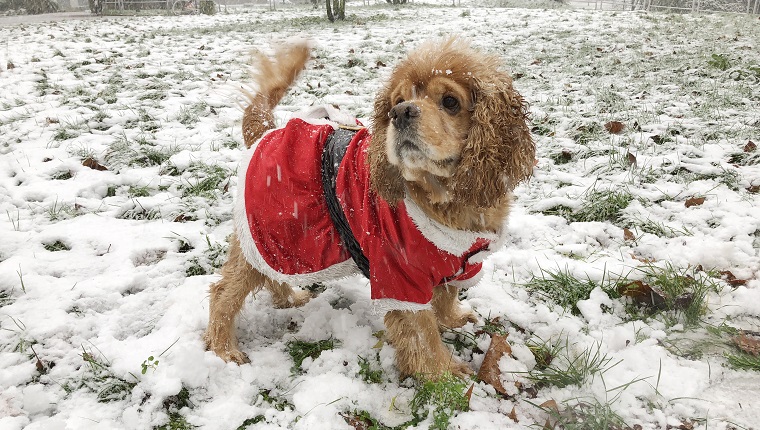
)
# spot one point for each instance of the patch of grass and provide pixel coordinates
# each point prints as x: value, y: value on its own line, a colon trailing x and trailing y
x: 60, y: 211
x: 205, y: 181
x: 251, y: 421
x: 299, y: 350
x: 139, y: 213
x: 279, y: 403
x: 719, y: 61
x: 195, y: 268
x: 56, y: 246
x: 138, y: 191
x: 62, y: 176
x: 138, y: 153
x: 176, y: 422
x: 367, y: 374
x: 602, y: 206
x: 584, y: 415
x: 189, y: 115
x: 443, y: 398
x: 677, y: 295
x: 566, y: 368
x: 5, y: 298
x: 566, y: 290
x: 101, y: 380
x: 657, y: 228
x: 743, y: 360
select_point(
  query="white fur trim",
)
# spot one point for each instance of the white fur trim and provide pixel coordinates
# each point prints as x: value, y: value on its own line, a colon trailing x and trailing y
x: 453, y: 241
x: 467, y: 283
x: 251, y: 252
x: 381, y: 306
x: 326, y: 114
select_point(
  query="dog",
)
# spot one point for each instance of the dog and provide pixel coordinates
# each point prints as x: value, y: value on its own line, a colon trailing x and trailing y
x: 415, y: 205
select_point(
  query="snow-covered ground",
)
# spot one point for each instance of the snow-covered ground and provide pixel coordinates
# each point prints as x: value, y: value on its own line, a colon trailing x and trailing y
x: 119, y: 140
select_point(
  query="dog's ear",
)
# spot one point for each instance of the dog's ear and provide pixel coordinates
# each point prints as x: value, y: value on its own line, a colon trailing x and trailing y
x: 499, y: 152
x: 385, y: 178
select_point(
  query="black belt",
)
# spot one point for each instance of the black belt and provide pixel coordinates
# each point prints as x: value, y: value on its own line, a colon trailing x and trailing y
x: 332, y: 155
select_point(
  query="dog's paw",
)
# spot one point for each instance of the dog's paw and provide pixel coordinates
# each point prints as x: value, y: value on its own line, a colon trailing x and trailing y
x: 233, y: 356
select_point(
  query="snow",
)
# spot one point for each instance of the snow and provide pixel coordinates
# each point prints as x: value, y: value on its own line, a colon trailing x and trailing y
x: 169, y: 87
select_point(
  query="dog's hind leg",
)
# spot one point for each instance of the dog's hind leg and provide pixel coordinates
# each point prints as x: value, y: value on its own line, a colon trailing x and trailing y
x: 226, y: 299
x: 448, y: 309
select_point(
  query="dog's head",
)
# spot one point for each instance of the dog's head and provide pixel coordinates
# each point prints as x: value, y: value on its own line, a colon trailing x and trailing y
x: 450, y: 122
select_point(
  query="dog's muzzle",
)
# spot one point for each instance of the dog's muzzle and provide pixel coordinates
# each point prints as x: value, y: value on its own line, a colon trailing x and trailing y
x: 404, y: 114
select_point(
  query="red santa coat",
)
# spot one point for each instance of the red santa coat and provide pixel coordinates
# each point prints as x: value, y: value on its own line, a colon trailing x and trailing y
x: 286, y: 232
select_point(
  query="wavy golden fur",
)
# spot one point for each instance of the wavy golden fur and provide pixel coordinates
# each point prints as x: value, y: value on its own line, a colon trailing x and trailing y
x: 449, y: 132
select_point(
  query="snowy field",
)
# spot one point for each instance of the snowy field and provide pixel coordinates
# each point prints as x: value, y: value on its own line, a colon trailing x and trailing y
x: 629, y: 288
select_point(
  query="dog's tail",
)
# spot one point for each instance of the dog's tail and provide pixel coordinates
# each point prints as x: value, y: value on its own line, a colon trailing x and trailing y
x: 272, y: 77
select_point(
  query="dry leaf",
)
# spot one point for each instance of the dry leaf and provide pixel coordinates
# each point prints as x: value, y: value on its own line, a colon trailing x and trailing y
x: 731, y: 279
x: 614, y: 127
x: 550, y: 404
x: 468, y: 394
x: 628, y: 235
x: 750, y: 147
x: 748, y: 342
x: 631, y: 159
x: 489, y: 371
x: 93, y: 164
x: 754, y: 189
x: 10, y: 66
x: 694, y: 201
x: 643, y: 294
x: 513, y: 416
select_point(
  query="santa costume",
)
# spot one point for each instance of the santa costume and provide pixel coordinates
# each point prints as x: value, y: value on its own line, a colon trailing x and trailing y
x: 286, y: 230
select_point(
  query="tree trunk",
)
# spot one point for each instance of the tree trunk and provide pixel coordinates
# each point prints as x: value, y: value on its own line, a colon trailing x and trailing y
x: 330, y: 15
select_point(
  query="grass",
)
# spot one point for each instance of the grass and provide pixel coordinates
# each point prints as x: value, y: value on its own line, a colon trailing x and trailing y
x: 56, y: 246
x: 441, y: 399
x: 299, y: 350
x: 600, y: 206
x: 367, y: 373
x: 101, y: 380
x: 205, y: 181
x: 672, y: 294
x: 558, y: 365
x: 566, y: 290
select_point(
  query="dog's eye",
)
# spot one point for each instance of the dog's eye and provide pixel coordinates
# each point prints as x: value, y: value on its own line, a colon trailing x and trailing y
x: 450, y: 103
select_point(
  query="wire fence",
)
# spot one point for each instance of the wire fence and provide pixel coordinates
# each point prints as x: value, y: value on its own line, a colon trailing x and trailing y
x: 736, y: 6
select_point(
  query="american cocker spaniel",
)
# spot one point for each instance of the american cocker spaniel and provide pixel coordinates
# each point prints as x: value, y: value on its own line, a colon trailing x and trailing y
x: 415, y: 206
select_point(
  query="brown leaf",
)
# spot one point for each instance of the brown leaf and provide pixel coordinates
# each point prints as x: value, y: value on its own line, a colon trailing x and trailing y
x: 10, y: 66
x: 731, y: 279
x: 694, y: 201
x: 631, y: 159
x: 381, y: 64
x: 628, y: 235
x: 748, y: 342
x: 753, y: 189
x: 93, y: 164
x: 357, y: 422
x: 468, y: 394
x: 750, y: 147
x: 513, y: 416
x: 657, y: 139
x: 550, y: 404
x: 614, y: 127
x: 643, y: 294
x: 489, y: 371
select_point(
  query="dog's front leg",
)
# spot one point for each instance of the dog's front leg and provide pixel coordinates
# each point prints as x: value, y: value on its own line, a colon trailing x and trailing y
x: 419, y: 349
x: 448, y: 309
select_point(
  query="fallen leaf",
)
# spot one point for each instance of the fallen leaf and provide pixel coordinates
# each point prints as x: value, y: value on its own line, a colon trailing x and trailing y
x: 628, y: 235
x: 643, y: 294
x: 614, y: 127
x: 731, y: 279
x: 631, y: 159
x: 754, y: 189
x: 93, y: 164
x: 750, y: 147
x: 748, y: 342
x: 694, y: 201
x: 10, y: 66
x: 468, y: 394
x: 552, y: 405
x: 489, y: 371
x: 513, y: 416
x: 657, y: 139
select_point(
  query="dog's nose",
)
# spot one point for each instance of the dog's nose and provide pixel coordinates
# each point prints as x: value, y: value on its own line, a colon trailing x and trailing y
x: 404, y: 114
